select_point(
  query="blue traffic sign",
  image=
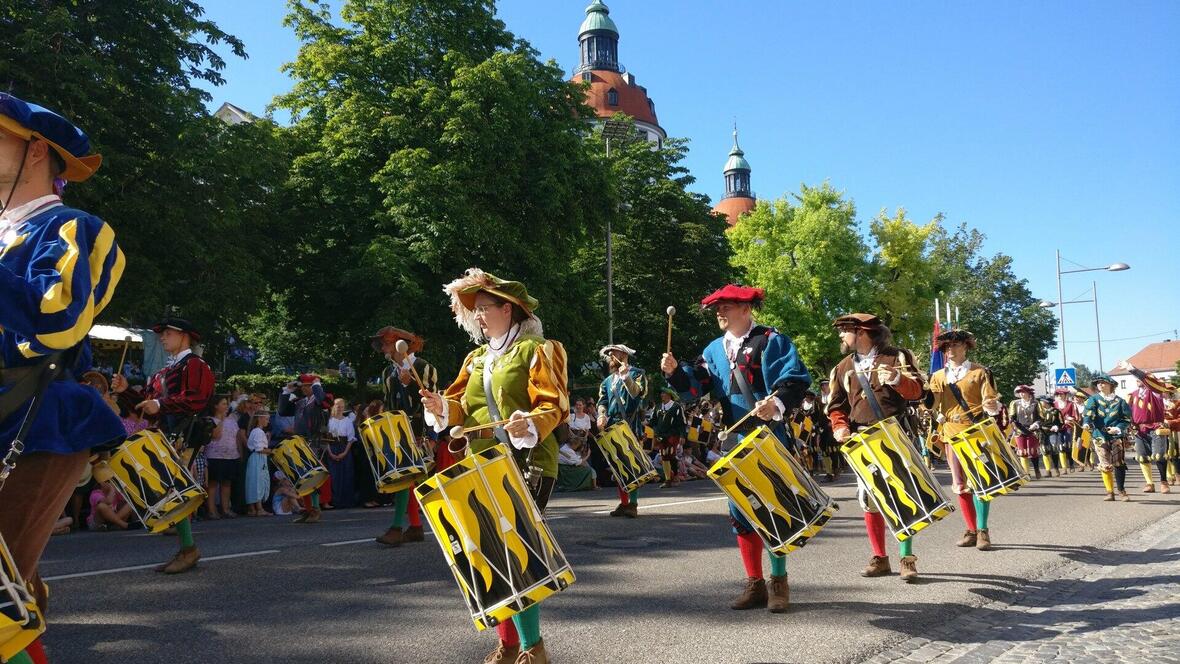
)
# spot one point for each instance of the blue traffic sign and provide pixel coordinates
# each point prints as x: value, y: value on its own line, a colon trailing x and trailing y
x: 1065, y: 377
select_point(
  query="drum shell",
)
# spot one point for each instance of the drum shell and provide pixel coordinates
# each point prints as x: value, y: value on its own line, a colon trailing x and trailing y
x: 630, y: 465
x: 989, y: 464
x: 145, y: 466
x: 20, y: 619
x: 772, y: 490
x: 479, y: 509
x: 890, y: 470
x: 394, y: 454
x: 294, y: 457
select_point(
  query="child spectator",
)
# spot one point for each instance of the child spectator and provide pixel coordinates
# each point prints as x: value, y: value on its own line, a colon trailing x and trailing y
x: 257, y: 475
x: 107, y: 508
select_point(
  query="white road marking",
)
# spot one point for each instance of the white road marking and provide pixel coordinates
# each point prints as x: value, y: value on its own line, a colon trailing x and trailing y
x: 99, y: 572
x: 678, y: 502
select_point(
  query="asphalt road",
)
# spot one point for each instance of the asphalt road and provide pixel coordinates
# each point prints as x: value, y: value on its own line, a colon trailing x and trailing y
x: 654, y: 589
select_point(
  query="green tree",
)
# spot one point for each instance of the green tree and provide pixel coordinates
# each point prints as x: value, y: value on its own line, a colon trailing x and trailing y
x: 905, y: 277
x: 190, y: 198
x: 668, y: 250
x: 1084, y: 374
x: 809, y: 255
x: 429, y: 139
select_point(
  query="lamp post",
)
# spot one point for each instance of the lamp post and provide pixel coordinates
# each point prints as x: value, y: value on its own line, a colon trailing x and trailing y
x: 1060, y: 304
x: 612, y: 130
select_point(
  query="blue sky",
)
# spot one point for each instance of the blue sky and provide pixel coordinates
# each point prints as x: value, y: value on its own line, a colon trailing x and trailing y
x: 1046, y: 125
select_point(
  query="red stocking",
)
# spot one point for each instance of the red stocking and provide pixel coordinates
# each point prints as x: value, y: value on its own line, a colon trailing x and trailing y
x: 624, y: 497
x: 875, y: 525
x: 967, y: 507
x: 507, y: 632
x: 750, y: 546
x: 412, y: 511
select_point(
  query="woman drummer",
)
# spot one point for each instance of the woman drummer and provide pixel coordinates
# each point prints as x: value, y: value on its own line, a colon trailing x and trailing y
x: 518, y: 376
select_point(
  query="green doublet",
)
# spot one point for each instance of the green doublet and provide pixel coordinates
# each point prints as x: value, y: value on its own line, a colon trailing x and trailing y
x: 510, y: 389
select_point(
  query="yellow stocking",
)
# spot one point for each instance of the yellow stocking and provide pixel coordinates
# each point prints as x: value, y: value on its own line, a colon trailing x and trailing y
x: 1108, y: 481
x: 1146, y: 468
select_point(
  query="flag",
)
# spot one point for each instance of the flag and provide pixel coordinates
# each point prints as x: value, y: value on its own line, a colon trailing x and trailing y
x: 936, y: 360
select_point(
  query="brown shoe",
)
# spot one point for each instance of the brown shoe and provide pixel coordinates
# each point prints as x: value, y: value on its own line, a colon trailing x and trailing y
x: 968, y: 539
x: 779, y: 594
x: 1164, y: 488
x: 1148, y: 488
x: 878, y: 566
x: 313, y: 516
x: 620, y: 510
x: 1109, y: 498
x: 753, y: 597
x: 413, y: 534
x: 984, y: 541
x: 534, y: 655
x: 909, y: 569
x: 1124, y: 497
x: 183, y: 561
x: 392, y: 537
x: 503, y: 654
x: 631, y: 510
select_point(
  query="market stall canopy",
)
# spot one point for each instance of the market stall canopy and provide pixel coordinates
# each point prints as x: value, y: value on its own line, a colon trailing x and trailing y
x: 109, y: 337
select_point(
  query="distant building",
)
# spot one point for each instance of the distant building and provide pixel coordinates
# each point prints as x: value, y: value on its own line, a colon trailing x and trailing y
x: 230, y: 114
x: 612, y: 88
x: 739, y: 198
x: 1158, y: 359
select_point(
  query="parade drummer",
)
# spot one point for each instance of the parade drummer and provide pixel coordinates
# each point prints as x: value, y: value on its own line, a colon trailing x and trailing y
x: 620, y: 399
x: 1151, y: 434
x: 514, y: 374
x: 874, y: 382
x: 1025, y: 415
x: 961, y: 393
x: 1052, y: 447
x: 400, y: 390
x: 59, y: 267
x: 807, y: 423
x: 670, y: 429
x: 1108, y: 419
x: 1070, y: 425
x: 754, y: 368
x: 173, y: 399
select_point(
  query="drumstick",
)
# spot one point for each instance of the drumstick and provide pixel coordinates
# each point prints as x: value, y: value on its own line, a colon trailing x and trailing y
x: 404, y: 349
x: 671, y: 313
x: 459, y: 432
x: 725, y: 434
x: 123, y: 357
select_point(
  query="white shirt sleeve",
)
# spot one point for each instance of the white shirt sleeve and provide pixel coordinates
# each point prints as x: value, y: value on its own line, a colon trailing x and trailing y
x: 439, y: 423
x: 528, y: 441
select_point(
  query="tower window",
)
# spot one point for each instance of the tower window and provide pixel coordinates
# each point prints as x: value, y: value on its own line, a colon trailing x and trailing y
x: 612, y: 97
x: 651, y: 106
x: 587, y: 77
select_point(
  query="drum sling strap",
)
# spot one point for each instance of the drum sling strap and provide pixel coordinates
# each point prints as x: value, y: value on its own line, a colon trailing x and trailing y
x: 501, y: 435
x: 867, y: 390
x: 958, y: 395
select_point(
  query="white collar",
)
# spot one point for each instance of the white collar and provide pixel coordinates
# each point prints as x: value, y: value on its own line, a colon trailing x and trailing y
x: 501, y: 342
x: 667, y: 406
x: 730, y: 337
x: 12, y: 219
x: 408, y: 360
x: 173, y: 359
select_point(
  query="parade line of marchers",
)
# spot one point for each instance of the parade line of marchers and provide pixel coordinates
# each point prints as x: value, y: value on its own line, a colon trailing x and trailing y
x: 480, y: 457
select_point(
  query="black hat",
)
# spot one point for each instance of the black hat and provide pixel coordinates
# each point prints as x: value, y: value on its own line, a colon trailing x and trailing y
x: 178, y: 324
x: 956, y: 336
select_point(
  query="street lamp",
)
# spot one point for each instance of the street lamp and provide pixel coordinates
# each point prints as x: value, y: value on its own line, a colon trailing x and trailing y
x: 1113, y: 267
x: 1045, y: 304
x: 612, y: 130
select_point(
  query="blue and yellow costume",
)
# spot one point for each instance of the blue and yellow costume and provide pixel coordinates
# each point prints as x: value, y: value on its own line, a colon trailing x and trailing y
x: 1108, y: 418
x: 59, y: 268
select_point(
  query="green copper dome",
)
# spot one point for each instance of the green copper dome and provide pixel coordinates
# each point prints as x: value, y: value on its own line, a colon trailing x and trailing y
x: 597, y: 18
x: 737, y: 158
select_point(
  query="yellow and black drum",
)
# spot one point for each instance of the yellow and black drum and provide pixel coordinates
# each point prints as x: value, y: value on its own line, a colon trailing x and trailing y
x: 630, y: 465
x: 989, y: 464
x: 502, y: 553
x: 149, y: 474
x: 20, y: 619
x: 891, y: 473
x: 294, y: 457
x: 395, y: 457
x: 773, y: 491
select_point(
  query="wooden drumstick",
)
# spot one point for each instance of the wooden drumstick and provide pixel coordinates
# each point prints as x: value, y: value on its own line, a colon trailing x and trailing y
x: 123, y: 357
x: 725, y: 434
x: 671, y: 313
x: 459, y: 432
x: 404, y: 349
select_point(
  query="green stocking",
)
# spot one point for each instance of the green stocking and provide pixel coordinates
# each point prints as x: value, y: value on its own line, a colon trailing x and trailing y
x: 21, y: 657
x: 982, y: 507
x: 634, y: 497
x: 401, y: 502
x: 528, y: 625
x: 315, y: 500
x: 778, y: 565
x: 185, y: 530
x: 906, y: 548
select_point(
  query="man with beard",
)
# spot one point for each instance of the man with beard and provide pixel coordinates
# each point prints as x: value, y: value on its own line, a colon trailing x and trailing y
x: 620, y: 399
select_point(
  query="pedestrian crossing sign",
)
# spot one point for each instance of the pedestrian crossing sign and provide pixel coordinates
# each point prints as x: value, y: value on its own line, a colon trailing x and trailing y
x: 1065, y: 377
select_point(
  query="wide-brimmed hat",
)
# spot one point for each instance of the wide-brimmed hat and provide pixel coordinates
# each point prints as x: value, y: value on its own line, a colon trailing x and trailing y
x: 1102, y: 377
x: 735, y: 293
x: 1027, y: 389
x: 858, y: 321
x: 30, y: 121
x: 474, y: 280
x: 955, y: 336
x: 670, y: 392
x: 605, y: 350
x: 391, y: 333
x: 178, y: 324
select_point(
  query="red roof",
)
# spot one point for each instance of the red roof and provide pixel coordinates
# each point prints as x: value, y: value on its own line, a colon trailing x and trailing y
x: 734, y: 207
x: 632, y: 98
x: 1160, y: 356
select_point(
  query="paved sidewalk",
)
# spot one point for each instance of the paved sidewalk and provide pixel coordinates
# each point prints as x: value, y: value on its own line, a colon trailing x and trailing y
x: 1118, y: 603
